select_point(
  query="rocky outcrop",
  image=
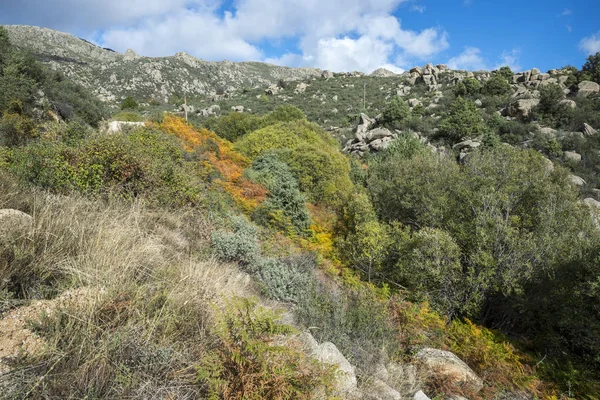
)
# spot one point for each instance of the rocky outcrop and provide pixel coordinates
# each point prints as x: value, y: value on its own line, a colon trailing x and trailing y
x: 521, y: 109
x: 118, y: 126
x: 572, y: 156
x: 368, y: 137
x: 215, y: 109
x: 446, y: 365
x: 112, y: 75
x: 588, y: 130
x: 587, y: 88
x: 577, y: 180
x: 382, y: 72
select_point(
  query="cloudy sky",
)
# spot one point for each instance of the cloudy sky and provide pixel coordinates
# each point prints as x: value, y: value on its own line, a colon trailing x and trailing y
x: 340, y: 35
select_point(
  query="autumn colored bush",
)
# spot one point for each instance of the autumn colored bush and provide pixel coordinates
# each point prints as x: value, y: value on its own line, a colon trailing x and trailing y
x: 220, y: 155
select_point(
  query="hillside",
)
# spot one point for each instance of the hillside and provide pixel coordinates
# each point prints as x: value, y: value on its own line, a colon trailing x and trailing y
x: 277, y: 233
x: 113, y: 76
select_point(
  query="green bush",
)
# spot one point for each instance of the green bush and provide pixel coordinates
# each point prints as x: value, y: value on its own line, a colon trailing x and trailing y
x: 288, y: 280
x: 463, y: 121
x: 129, y: 103
x: 497, y: 85
x: 285, y: 206
x: 396, y: 113
x: 468, y: 87
x: 128, y: 116
x: 234, y: 125
x: 240, y: 245
x: 140, y: 162
x: 247, y: 364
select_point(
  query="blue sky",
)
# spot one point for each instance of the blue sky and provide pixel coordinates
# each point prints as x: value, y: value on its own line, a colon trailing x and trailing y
x: 341, y: 35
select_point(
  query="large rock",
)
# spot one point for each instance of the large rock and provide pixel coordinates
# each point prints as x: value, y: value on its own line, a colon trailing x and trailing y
x: 466, y: 145
x: 414, y: 102
x: 522, y: 108
x: 377, y: 133
x: 568, y: 103
x: 577, y: 180
x: 588, y: 130
x: 272, y: 90
x: 327, y: 353
x: 14, y: 222
x: 364, y: 125
x: 403, y: 378
x: 380, y: 144
x: 420, y: 396
x: 447, y: 365
x: 327, y: 74
x: 572, y: 156
x: 587, y: 88
x: 301, y: 87
x: 375, y: 389
x: 118, y: 126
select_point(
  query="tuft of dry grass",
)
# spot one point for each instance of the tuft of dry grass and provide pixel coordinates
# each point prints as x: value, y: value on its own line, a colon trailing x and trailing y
x: 160, y: 288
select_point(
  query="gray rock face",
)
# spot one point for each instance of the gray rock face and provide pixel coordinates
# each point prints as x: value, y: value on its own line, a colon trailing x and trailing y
x: 14, y: 222
x: 364, y: 125
x: 382, y: 72
x: 375, y: 389
x: 420, y: 396
x: 467, y: 145
x: 327, y: 74
x: 588, y: 130
x: 522, y: 108
x: 587, y: 88
x: 377, y: 133
x: 572, y: 156
x: 238, y: 109
x: 568, y: 103
x: 327, y: 353
x: 149, y: 77
x: 447, y: 364
x: 118, y: 126
x: 414, y: 102
x: 577, y: 180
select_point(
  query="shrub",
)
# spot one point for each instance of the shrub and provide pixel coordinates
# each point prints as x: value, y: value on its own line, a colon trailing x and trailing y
x: 248, y: 365
x: 241, y: 245
x: 128, y: 117
x: 467, y: 87
x: 396, y: 113
x: 285, y: 206
x: 140, y: 162
x: 497, y: 85
x: 16, y: 129
x: 235, y: 125
x: 463, y: 121
x: 129, y: 103
x: 288, y: 280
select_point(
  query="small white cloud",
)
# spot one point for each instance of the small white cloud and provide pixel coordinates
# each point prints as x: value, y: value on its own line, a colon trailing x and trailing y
x: 510, y: 59
x: 566, y: 12
x: 569, y: 28
x: 418, y: 8
x: 470, y: 59
x: 590, y: 44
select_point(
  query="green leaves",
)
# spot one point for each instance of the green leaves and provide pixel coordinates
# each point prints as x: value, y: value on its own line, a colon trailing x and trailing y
x: 463, y: 121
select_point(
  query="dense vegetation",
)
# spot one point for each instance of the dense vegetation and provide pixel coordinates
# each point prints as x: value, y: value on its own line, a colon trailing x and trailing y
x: 407, y: 248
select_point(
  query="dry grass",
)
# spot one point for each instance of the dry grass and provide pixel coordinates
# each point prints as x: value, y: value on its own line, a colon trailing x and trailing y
x: 141, y: 338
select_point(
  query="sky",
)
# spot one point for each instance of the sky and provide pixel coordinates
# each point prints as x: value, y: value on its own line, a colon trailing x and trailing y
x: 339, y: 35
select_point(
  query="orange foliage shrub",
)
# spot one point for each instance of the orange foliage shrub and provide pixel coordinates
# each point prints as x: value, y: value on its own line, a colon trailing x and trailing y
x: 222, y: 157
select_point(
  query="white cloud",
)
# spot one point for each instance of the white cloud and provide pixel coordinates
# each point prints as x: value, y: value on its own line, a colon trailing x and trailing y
x: 510, y: 59
x: 469, y: 59
x: 590, y: 44
x: 363, y: 54
x: 360, y: 34
x: 566, y: 12
x: 418, y: 8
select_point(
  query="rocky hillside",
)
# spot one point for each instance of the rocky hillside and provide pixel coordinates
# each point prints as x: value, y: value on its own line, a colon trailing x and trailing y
x: 113, y: 75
